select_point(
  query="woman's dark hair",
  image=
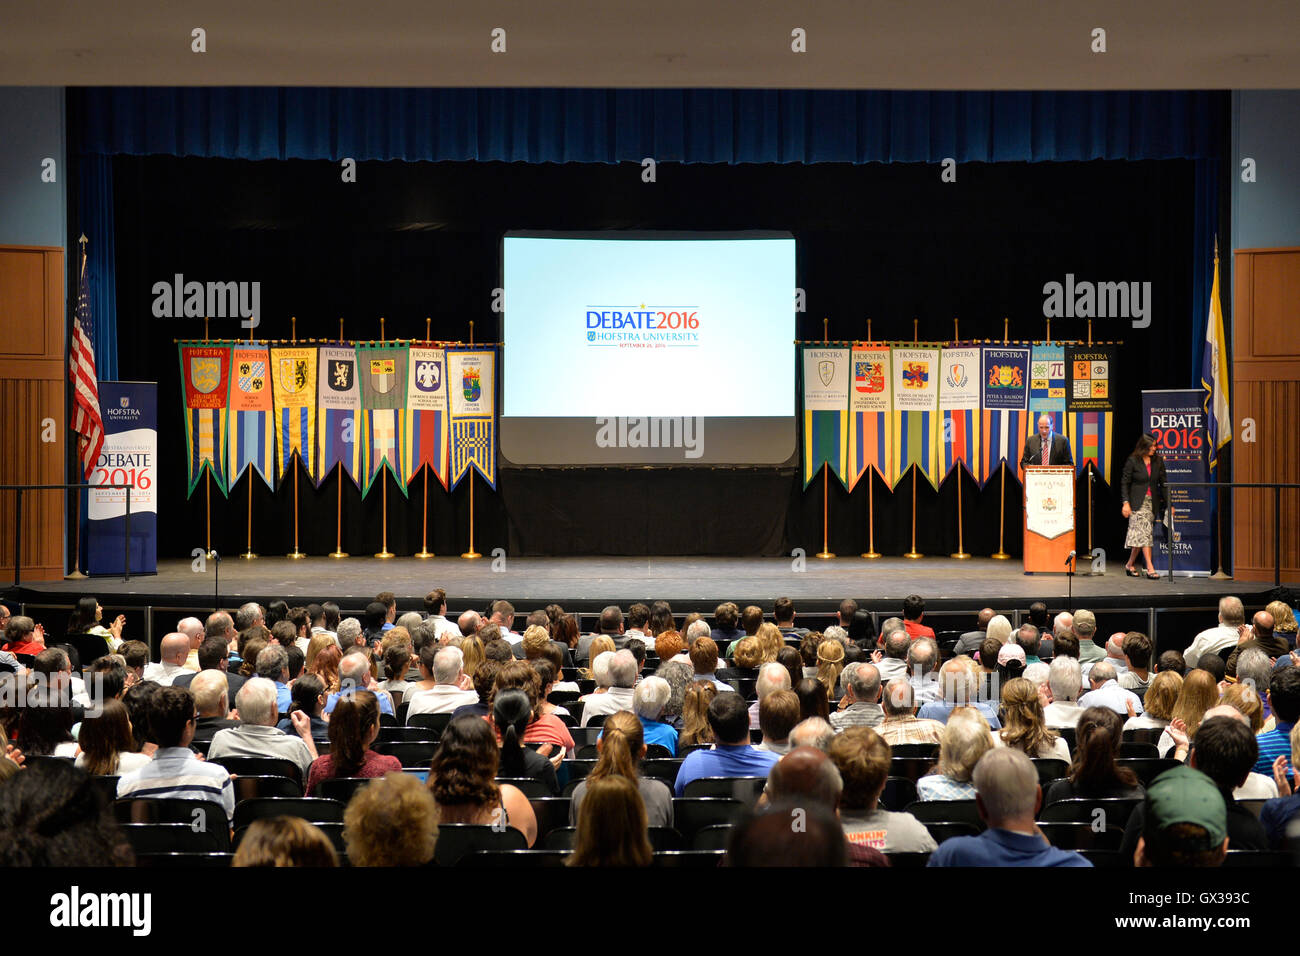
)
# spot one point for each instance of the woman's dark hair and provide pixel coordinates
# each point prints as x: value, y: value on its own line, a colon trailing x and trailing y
x: 276, y: 612
x: 813, y: 701
x: 83, y: 618
x: 512, y: 711
x: 349, y: 724
x: 305, y: 695
x: 661, y: 617
x: 861, y: 628
x: 790, y: 658
x: 464, y: 767
x: 51, y: 815
x: 565, y: 630
x: 1098, y: 735
x: 104, y: 737
x: 1145, y: 444
x: 44, y: 720
x: 139, y: 702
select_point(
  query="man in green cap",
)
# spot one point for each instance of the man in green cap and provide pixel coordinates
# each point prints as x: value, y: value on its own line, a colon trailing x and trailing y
x: 1186, y: 822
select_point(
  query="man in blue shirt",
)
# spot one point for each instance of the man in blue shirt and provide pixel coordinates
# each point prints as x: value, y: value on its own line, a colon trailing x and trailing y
x: 1008, y: 797
x: 273, y: 664
x: 1284, y: 702
x: 354, y: 675
x: 733, y: 756
x: 959, y: 682
x: 648, y: 702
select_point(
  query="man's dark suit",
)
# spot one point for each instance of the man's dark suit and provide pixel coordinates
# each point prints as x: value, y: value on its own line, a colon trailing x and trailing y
x: 1058, y: 455
x: 233, y: 683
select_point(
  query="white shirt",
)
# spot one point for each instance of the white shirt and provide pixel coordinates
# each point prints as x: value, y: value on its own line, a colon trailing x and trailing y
x: 602, y: 705
x: 439, y: 699
x: 302, y: 643
x: 126, y: 762
x: 443, y: 626
x: 1210, y: 641
x: 1145, y: 722
x: 1062, y: 713
x: 891, y: 667
x: 1113, y: 697
x: 163, y: 673
x: 1256, y: 787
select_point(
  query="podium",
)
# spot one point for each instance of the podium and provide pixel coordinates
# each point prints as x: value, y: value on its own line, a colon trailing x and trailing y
x: 1049, y: 517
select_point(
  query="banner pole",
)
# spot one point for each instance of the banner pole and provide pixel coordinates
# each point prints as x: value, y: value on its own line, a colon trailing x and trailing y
x: 914, y: 554
x: 825, y: 552
x: 294, y: 460
x: 471, y: 554
x: 1000, y: 554
x: 75, y: 574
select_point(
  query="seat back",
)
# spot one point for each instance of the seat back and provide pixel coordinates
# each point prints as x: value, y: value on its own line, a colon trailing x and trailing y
x: 407, y: 734
x: 692, y: 814
x: 946, y: 811
x: 1110, y: 812
x: 205, y: 815
x: 514, y: 859
x: 912, y: 768
x: 713, y: 837
x: 434, y: 722
x: 175, y: 838
x: 946, y: 830
x: 1138, y: 749
x: 898, y: 793
x: 1050, y: 768
x: 253, y: 787
x: 260, y: 767
x: 927, y: 751
x: 908, y: 861
x: 1148, y: 768
x: 410, y: 753
x: 529, y: 786
x: 664, y: 769
x: 106, y: 785
x: 1144, y: 735
x: 457, y: 839
x: 552, y: 813
x: 1082, y: 836
x: 89, y: 648
x: 311, y: 809
x: 744, y: 789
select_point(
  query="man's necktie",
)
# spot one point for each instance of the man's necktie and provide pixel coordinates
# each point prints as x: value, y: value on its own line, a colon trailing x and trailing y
x: 1046, y: 445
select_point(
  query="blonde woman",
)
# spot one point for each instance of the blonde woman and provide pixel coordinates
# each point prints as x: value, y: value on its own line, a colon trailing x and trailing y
x: 1284, y: 622
x: 1023, y: 726
x: 317, y: 644
x: 830, y: 661
x: 770, y: 641
x: 695, y: 715
x: 1244, y: 699
x: 1200, y: 692
x: 599, y: 645
x: 965, y: 739
x: 1158, y: 703
x: 472, y: 650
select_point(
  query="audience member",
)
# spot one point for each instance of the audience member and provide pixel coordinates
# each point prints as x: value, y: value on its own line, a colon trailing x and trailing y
x: 462, y: 779
x: 257, y: 735
x: 1094, y: 773
x: 732, y: 755
x: 964, y: 741
x: 862, y: 758
x: 621, y: 747
x: 391, y: 821
x: 284, y: 841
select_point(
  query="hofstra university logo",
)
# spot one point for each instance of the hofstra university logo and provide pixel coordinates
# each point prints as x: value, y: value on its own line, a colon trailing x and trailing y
x: 644, y: 324
x: 179, y: 299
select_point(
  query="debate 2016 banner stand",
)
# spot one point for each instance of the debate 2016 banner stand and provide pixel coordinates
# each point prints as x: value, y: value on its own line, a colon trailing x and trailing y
x: 129, y: 457
x: 1176, y: 419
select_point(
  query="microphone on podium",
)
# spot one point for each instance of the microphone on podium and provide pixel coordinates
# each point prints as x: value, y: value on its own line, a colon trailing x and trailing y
x: 1069, y: 558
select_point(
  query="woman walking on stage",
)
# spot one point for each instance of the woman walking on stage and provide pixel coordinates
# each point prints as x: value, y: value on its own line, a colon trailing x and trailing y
x: 1143, y: 482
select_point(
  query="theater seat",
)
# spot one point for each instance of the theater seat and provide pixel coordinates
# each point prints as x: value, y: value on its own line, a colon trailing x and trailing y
x: 1138, y: 749
x: 175, y: 838
x: 252, y: 787
x: 260, y: 766
x: 457, y: 839
x: 898, y: 793
x: 341, y: 789
x: 311, y: 809
x: 187, y: 813
x: 514, y: 859
x: 1143, y: 735
x: 434, y: 722
x: 411, y: 754
x: 1148, y: 768
x: 912, y: 768
x: 744, y: 789
x: 552, y: 813
x: 692, y: 814
x: 1082, y: 836
x: 908, y: 861
x: 185, y: 861
x: 930, y: 751
x: 946, y: 811
x: 946, y: 831
x: 1114, y: 812
x: 712, y: 838
x: 529, y: 786
x: 1049, y: 768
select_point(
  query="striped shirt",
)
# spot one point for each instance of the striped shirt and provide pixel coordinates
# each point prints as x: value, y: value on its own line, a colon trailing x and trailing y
x: 175, y: 773
x: 1273, y: 744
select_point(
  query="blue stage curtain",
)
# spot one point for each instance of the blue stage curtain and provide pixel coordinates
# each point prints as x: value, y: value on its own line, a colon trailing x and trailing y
x: 95, y: 221
x: 687, y: 125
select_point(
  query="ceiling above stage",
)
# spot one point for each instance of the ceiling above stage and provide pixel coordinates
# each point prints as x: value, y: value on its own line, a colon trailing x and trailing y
x: 851, y: 44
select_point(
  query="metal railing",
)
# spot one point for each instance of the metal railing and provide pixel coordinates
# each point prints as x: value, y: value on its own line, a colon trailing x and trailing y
x: 1278, y: 488
x: 18, y: 523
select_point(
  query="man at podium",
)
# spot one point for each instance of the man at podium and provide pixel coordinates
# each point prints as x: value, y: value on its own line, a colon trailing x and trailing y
x: 1046, y: 448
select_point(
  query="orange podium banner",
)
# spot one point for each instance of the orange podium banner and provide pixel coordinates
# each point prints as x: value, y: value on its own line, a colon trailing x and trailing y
x: 1049, y: 517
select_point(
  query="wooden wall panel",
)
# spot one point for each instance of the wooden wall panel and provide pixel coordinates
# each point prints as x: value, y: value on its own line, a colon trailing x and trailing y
x: 1266, y: 392
x: 32, y: 375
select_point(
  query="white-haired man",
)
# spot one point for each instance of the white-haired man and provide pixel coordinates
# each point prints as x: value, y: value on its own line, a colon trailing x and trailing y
x: 1007, y: 797
x: 1232, y: 623
x: 1106, y: 692
x: 448, y: 675
x: 813, y: 732
x: 350, y: 634
x: 922, y: 670
x: 900, y: 724
x: 859, y: 707
x: 257, y: 735
x: 959, y: 679
x: 192, y: 628
x: 771, y: 676
x: 212, y: 702
x: 354, y: 675
x: 620, y: 669
x: 172, y: 653
x: 1061, y: 693
x: 648, y: 701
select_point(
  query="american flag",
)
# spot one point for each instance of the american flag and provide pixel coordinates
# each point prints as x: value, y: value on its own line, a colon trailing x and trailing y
x: 86, y: 420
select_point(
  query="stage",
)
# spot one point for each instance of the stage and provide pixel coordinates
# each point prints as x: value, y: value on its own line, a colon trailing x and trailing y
x: 585, y: 584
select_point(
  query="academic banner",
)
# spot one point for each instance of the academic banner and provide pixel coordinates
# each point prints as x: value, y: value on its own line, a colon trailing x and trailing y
x: 293, y: 372
x: 1089, y: 406
x: 252, y: 432
x: 339, y: 402
x: 959, y: 404
x: 383, y: 400
x: 1176, y: 418
x: 1047, y: 386
x: 205, y: 381
x: 471, y: 374
x: 129, y: 457
x: 916, y: 411
x: 427, y: 433
x: 825, y: 411
x: 871, y: 440
x: 1004, y: 386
